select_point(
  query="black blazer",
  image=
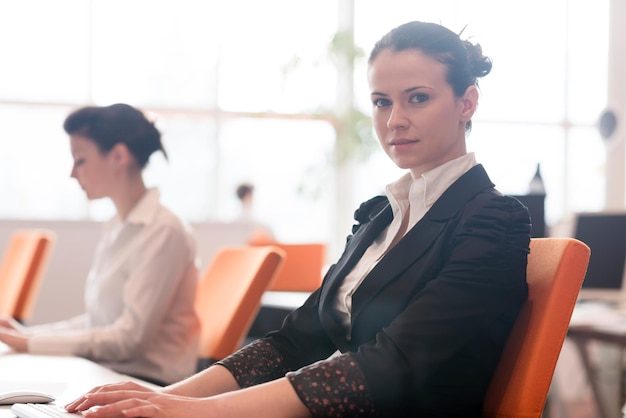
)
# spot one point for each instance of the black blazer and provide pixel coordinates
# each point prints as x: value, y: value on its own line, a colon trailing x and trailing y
x: 430, y: 320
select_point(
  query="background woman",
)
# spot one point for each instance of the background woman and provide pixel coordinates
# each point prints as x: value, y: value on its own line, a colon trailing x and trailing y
x: 140, y: 290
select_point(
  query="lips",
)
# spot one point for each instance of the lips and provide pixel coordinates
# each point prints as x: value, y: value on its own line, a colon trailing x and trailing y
x: 402, y: 141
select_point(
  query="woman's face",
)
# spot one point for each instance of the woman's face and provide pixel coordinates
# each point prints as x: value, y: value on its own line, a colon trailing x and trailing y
x: 92, y: 169
x: 419, y: 121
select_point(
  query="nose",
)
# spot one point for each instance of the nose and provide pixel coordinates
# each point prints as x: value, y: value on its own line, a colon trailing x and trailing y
x: 73, y: 173
x: 397, y: 118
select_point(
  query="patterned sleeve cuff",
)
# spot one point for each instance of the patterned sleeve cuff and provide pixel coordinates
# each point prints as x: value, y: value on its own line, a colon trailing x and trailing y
x: 256, y: 363
x: 333, y: 388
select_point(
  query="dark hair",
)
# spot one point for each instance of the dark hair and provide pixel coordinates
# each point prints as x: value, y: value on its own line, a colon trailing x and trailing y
x: 465, y: 61
x: 110, y: 125
x: 244, y: 189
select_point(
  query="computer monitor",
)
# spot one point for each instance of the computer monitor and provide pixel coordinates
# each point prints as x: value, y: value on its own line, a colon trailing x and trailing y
x: 605, y: 234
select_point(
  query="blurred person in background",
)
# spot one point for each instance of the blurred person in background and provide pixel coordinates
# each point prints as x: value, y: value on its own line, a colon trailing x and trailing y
x: 260, y: 232
x: 140, y: 290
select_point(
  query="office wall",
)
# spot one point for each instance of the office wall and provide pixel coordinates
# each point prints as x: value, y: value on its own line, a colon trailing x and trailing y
x: 61, y: 292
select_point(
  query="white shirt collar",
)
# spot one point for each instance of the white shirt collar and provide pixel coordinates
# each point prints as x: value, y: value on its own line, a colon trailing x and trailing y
x: 143, y: 212
x: 421, y: 193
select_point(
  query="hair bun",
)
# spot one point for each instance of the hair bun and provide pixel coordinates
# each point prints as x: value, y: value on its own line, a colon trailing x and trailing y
x: 479, y: 64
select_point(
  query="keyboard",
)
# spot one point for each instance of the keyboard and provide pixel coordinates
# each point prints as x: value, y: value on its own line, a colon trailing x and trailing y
x: 41, y: 410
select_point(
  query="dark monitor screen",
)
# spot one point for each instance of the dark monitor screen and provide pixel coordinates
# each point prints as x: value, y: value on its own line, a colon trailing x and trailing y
x: 605, y: 234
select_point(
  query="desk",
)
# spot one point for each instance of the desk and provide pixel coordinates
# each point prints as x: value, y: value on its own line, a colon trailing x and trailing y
x: 603, y: 326
x: 64, y: 377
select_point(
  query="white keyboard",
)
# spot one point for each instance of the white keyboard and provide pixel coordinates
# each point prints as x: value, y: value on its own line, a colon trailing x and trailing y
x: 41, y: 410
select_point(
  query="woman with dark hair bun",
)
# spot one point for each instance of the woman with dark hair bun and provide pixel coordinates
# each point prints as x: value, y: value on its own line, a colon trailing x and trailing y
x: 118, y: 123
x: 140, y: 291
x: 412, y: 319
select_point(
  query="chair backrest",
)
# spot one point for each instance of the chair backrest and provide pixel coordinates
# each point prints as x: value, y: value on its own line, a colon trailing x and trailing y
x: 21, y: 270
x: 229, y: 297
x: 302, y: 269
x: 555, y: 272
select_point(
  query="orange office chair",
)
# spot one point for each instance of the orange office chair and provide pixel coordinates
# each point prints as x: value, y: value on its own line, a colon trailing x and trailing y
x: 302, y: 269
x: 229, y: 297
x: 519, y: 388
x: 21, y: 271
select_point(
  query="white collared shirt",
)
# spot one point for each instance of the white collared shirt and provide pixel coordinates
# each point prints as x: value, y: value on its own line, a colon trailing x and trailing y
x: 415, y: 196
x: 139, y: 299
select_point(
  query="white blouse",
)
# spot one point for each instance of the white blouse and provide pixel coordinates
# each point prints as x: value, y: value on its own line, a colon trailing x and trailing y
x: 139, y: 299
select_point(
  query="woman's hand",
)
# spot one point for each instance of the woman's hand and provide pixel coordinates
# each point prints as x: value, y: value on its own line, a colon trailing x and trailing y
x: 10, y: 323
x: 14, y: 339
x: 126, y: 400
x: 85, y: 402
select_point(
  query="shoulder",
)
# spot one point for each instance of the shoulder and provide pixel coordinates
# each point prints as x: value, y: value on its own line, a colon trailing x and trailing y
x: 492, y: 199
x: 166, y: 222
x: 474, y: 192
x: 500, y: 216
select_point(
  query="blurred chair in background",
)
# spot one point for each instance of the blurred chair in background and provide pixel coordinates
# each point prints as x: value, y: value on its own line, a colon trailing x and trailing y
x: 302, y: 270
x: 555, y: 272
x: 300, y: 275
x: 229, y: 297
x: 21, y: 271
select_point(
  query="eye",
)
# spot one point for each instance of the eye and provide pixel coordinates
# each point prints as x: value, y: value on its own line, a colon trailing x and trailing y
x: 78, y: 162
x: 419, y: 98
x: 381, y: 102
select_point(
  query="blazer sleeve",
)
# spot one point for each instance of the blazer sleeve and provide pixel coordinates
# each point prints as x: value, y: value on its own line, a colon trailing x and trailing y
x: 300, y: 341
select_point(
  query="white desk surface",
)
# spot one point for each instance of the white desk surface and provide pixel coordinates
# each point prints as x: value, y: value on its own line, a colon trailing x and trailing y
x: 64, y: 377
x: 286, y: 300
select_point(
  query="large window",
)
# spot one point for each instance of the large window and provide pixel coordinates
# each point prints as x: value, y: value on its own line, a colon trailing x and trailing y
x: 243, y: 90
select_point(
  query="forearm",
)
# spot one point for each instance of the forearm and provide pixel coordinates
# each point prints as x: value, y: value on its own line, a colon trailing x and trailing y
x: 74, y: 323
x: 275, y: 399
x: 213, y: 381
x: 259, y: 400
